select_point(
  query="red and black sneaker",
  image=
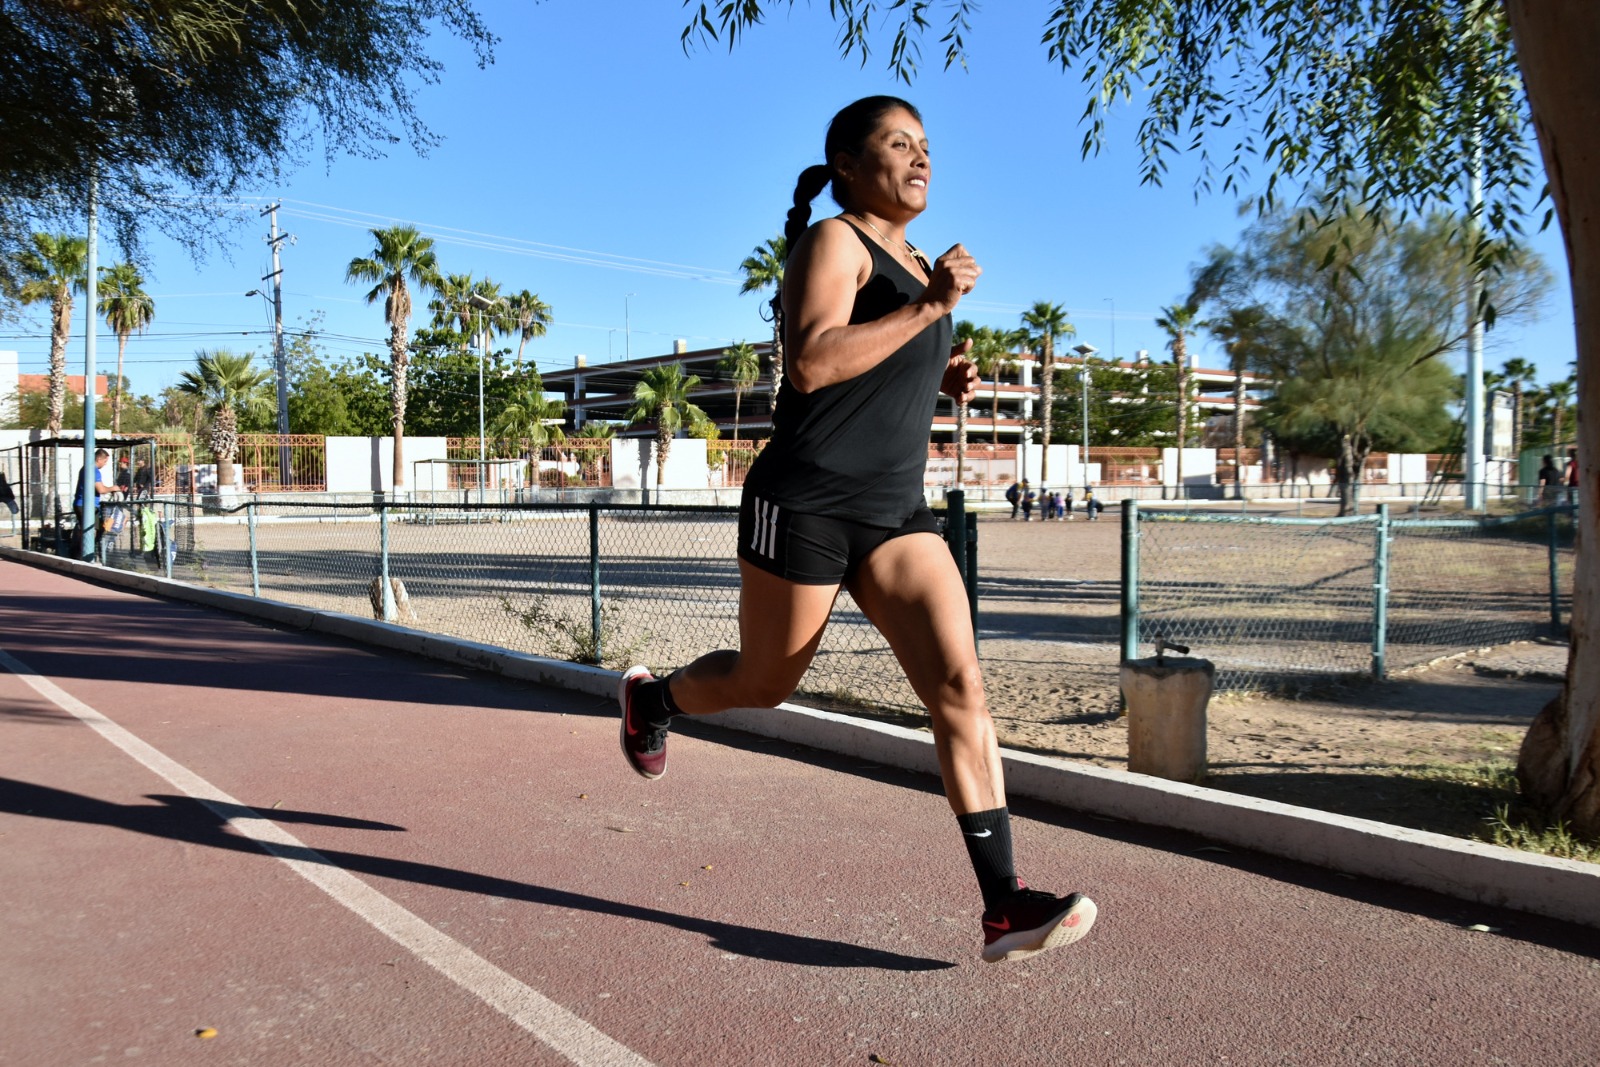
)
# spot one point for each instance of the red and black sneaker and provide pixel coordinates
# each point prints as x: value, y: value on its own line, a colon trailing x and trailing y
x: 1029, y: 921
x: 644, y: 744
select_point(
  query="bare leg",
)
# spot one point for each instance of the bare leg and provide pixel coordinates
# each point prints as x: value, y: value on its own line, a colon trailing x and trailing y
x: 909, y: 587
x: 780, y: 626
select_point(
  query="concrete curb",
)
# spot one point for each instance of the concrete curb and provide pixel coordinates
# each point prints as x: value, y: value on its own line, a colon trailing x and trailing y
x: 1560, y: 889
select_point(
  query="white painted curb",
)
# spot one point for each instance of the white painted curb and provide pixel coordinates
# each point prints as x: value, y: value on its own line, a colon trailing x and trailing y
x: 1469, y: 870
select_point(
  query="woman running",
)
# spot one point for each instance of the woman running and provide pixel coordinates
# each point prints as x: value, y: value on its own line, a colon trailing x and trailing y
x: 835, y: 500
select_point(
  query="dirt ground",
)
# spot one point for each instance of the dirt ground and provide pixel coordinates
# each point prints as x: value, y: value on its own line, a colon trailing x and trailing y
x: 1401, y: 751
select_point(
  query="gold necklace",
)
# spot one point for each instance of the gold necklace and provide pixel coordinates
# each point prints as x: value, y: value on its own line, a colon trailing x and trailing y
x: 916, y: 253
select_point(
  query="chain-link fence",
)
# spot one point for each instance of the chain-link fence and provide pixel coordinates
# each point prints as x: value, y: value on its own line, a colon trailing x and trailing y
x: 599, y: 583
x: 1272, y: 600
x: 1276, y: 601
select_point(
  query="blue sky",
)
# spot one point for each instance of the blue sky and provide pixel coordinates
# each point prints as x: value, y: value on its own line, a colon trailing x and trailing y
x: 594, y: 160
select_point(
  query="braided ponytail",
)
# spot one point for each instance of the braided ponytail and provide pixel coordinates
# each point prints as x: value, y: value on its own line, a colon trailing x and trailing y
x: 811, y: 183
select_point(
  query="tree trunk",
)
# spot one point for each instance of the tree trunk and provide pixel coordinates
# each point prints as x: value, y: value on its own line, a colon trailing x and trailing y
x: 961, y: 442
x: 398, y: 358
x: 116, y: 396
x: 1516, y: 419
x: 1557, y: 40
x: 1343, y: 471
x: 225, y: 443
x: 1047, y: 397
x: 1180, y: 357
x: 736, y: 394
x: 1555, y: 440
x: 663, y: 445
x: 994, y: 413
x: 60, y: 331
x: 1238, y: 429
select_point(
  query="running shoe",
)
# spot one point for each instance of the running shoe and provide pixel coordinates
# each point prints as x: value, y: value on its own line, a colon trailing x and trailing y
x: 1029, y: 922
x: 643, y: 744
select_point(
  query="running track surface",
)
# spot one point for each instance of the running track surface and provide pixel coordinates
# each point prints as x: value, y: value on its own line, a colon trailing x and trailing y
x: 395, y: 862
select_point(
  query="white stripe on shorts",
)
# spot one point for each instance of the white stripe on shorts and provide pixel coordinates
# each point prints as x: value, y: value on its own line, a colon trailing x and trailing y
x: 764, y: 536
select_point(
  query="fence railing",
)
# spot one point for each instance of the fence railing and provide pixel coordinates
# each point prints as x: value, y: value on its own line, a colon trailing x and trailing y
x: 595, y: 583
x: 1276, y: 601
x: 1272, y: 600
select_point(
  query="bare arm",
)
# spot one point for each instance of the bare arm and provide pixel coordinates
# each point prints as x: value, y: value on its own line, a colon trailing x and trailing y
x: 828, y: 267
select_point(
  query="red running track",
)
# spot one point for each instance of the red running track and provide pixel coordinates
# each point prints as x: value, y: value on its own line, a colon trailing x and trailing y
x: 761, y: 904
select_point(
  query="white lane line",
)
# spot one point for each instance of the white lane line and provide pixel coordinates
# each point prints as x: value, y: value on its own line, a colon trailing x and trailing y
x: 543, y: 1018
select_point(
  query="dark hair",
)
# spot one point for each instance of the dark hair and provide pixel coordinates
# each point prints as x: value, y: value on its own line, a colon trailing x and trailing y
x: 847, y: 132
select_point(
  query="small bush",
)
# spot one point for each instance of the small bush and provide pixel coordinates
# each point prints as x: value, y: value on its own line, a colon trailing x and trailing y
x: 573, y: 637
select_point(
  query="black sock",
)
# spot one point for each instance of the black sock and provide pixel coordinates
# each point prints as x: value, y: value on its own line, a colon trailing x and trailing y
x: 988, y: 838
x: 656, y: 705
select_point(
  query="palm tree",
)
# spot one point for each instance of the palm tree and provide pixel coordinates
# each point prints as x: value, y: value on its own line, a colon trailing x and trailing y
x: 1178, y: 320
x: 401, y: 253
x: 452, y: 303
x: 662, y: 395
x: 227, y: 385
x: 741, y: 365
x: 53, y: 269
x: 763, y: 269
x: 531, y: 317
x: 529, y: 418
x: 128, y: 309
x: 988, y: 353
x: 1240, y: 331
x: 1047, y: 321
x: 1518, y: 372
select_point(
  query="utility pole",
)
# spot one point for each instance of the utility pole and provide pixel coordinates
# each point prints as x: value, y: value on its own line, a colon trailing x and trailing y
x: 88, y: 515
x: 279, y: 361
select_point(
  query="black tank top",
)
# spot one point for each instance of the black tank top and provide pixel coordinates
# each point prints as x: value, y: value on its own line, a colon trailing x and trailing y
x: 857, y: 449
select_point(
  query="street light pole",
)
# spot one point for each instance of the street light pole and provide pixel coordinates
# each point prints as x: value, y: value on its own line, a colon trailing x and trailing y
x: 480, y: 304
x: 627, y: 327
x: 1084, y: 352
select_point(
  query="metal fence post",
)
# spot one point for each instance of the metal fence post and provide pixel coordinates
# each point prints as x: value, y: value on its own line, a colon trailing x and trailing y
x: 1130, y: 579
x: 386, y: 590
x: 1380, y: 593
x: 1555, y: 567
x: 255, y: 567
x: 169, y: 530
x: 957, y: 529
x: 594, y: 579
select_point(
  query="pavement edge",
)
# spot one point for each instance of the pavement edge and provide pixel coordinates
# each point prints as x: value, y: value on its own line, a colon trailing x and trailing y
x: 1568, y: 890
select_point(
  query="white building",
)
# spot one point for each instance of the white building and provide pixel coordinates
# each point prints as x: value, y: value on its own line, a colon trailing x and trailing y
x: 8, y: 385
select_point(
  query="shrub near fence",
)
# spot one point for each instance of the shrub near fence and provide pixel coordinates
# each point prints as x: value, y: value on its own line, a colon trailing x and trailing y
x: 1279, y: 601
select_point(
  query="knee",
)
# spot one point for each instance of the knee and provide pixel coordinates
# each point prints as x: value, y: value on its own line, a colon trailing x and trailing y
x: 766, y: 691
x: 963, y: 686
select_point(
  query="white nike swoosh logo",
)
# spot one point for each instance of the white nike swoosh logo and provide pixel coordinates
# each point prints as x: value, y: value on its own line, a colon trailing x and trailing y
x: 986, y: 833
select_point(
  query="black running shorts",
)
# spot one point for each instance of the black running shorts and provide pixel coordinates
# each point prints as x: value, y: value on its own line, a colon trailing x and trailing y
x: 814, y: 549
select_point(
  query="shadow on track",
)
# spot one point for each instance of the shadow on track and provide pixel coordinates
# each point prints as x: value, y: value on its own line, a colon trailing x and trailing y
x: 180, y: 818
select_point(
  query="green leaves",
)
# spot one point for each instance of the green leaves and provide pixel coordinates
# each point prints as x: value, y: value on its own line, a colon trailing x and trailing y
x: 1379, y: 102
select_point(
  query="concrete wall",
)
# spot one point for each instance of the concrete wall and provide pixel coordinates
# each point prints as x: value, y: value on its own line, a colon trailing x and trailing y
x: 1199, y: 466
x: 633, y: 464
x: 366, y: 464
x: 1063, y: 465
x: 8, y: 386
x: 1407, y: 467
